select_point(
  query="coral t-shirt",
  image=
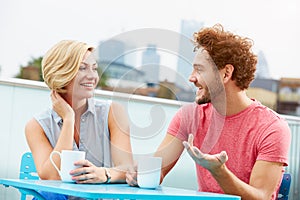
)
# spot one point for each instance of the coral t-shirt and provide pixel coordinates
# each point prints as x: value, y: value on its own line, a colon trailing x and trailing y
x: 256, y: 133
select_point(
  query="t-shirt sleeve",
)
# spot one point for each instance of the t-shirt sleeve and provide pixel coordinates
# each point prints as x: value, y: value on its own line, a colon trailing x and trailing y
x: 178, y: 127
x: 274, y: 145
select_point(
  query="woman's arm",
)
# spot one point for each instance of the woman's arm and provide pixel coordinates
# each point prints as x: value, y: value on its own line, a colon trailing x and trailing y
x: 39, y: 144
x: 41, y: 148
x: 120, y: 142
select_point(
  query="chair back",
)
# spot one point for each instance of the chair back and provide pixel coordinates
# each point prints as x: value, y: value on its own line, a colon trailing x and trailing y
x: 284, y: 189
x: 27, y: 171
x: 27, y: 167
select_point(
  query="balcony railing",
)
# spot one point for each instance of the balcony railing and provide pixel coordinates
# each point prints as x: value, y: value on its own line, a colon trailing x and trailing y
x: 22, y: 99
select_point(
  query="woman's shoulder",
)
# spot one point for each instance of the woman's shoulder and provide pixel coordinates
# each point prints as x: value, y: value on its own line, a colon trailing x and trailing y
x: 100, y: 102
x: 35, y: 121
x: 100, y: 106
x: 45, y: 114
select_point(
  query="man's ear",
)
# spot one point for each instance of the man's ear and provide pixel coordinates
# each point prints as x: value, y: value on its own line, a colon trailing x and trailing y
x: 227, y: 72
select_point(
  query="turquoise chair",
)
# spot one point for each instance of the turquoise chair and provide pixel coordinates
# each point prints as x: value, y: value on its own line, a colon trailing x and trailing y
x: 28, y: 171
x: 285, y: 185
x: 27, y: 167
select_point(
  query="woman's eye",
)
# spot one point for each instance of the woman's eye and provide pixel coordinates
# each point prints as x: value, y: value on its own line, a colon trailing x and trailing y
x: 82, y: 68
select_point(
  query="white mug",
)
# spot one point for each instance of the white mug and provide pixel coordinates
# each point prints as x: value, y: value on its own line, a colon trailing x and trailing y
x: 67, y: 159
x: 148, y: 172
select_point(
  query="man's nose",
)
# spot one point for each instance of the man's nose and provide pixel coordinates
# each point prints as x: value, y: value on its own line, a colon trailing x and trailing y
x: 192, y: 78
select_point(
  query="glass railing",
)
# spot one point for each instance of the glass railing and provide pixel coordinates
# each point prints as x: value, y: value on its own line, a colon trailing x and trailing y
x: 294, y: 156
x: 149, y: 119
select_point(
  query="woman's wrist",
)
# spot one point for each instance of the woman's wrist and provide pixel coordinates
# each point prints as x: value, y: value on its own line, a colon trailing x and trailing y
x: 107, y: 174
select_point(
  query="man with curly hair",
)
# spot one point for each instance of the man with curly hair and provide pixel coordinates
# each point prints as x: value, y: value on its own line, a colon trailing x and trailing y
x: 239, y: 146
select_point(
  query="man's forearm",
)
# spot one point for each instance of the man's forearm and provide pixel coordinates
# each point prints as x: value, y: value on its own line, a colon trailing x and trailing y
x: 231, y: 184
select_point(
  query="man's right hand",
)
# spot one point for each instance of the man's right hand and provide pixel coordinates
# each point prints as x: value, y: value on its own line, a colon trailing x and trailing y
x: 131, y: 176
x: 210, y: 162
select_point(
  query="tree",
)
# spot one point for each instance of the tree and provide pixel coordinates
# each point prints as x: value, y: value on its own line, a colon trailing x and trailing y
x: 103, y: 77
x: 33, y: 70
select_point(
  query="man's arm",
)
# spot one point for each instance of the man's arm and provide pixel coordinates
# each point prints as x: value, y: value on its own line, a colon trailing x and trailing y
x: 265, y: 176
x: 170, y: 150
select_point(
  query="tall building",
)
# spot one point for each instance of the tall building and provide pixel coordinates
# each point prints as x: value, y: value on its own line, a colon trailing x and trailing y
x: 186, y: 54
x: 262, y: 68
x: 114, y: 61
x: 111, y: 51
x: 185, y: 59
x: 151, y: 64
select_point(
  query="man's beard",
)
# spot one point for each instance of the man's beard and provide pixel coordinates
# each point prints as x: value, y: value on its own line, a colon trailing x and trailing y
x: 203, y: 99
x: 207, y: 97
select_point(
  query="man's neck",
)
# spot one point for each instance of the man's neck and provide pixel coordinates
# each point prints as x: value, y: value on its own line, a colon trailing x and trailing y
x: 237, y: 102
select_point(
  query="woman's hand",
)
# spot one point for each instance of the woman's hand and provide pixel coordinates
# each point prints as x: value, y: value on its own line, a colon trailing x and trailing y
x: 88, y: 173
x: 60, y: 106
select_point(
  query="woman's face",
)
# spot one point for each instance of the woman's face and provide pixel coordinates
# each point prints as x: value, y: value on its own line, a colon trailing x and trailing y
x: 86, y: 80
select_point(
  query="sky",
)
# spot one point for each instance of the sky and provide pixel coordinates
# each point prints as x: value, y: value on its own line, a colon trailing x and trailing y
x: 29, y: 28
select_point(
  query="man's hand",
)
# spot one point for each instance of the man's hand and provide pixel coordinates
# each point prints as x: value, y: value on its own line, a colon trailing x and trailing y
x: 131, y: 176
x: 210, y: 162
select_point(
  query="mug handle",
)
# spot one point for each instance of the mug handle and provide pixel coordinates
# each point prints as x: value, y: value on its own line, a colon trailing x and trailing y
x: 53, y: 163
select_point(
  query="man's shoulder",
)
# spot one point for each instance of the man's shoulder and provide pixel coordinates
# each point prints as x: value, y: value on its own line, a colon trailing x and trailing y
x: 266, y: 112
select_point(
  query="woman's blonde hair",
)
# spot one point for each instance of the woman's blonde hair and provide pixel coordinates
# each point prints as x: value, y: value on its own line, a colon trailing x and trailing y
x: 61, y: 63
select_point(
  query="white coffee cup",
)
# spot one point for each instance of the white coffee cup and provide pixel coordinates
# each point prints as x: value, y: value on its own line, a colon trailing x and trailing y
x: 148, y: 172
x: 67, y: 159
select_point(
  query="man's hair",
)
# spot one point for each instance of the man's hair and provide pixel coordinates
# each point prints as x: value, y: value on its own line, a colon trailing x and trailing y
x: 61, y: 63
x: 227, y: 48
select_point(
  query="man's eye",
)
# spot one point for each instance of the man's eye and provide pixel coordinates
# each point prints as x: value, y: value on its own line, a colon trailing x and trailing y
x: 197, y: 69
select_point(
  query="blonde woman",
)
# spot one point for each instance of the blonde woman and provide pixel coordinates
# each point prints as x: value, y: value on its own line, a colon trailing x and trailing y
x: 77, y: 121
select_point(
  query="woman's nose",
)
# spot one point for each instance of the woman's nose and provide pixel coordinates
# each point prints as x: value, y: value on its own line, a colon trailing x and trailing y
x: 92, y: 74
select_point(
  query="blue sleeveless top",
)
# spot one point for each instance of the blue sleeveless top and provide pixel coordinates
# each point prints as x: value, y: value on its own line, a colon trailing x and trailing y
x: 94, y: 132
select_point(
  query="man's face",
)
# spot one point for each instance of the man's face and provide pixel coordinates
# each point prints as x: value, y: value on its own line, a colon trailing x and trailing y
x: 205, y: 77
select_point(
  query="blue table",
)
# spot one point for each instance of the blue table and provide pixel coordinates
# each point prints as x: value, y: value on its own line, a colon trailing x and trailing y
x: 120, y: 191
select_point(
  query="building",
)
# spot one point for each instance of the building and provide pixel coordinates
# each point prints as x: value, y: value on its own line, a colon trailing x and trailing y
x: 185, y: 59
x: 185, y: 51
x: 151, y: 64
x: 264, y: 90
x: 111, y: 51
x: 262, y: 68
x: 265, y: 83
x: 123, y: 76
x: 113, y: 57
x: 289, y: 96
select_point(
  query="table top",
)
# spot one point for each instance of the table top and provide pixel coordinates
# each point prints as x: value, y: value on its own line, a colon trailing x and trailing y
x: 120, y: 191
